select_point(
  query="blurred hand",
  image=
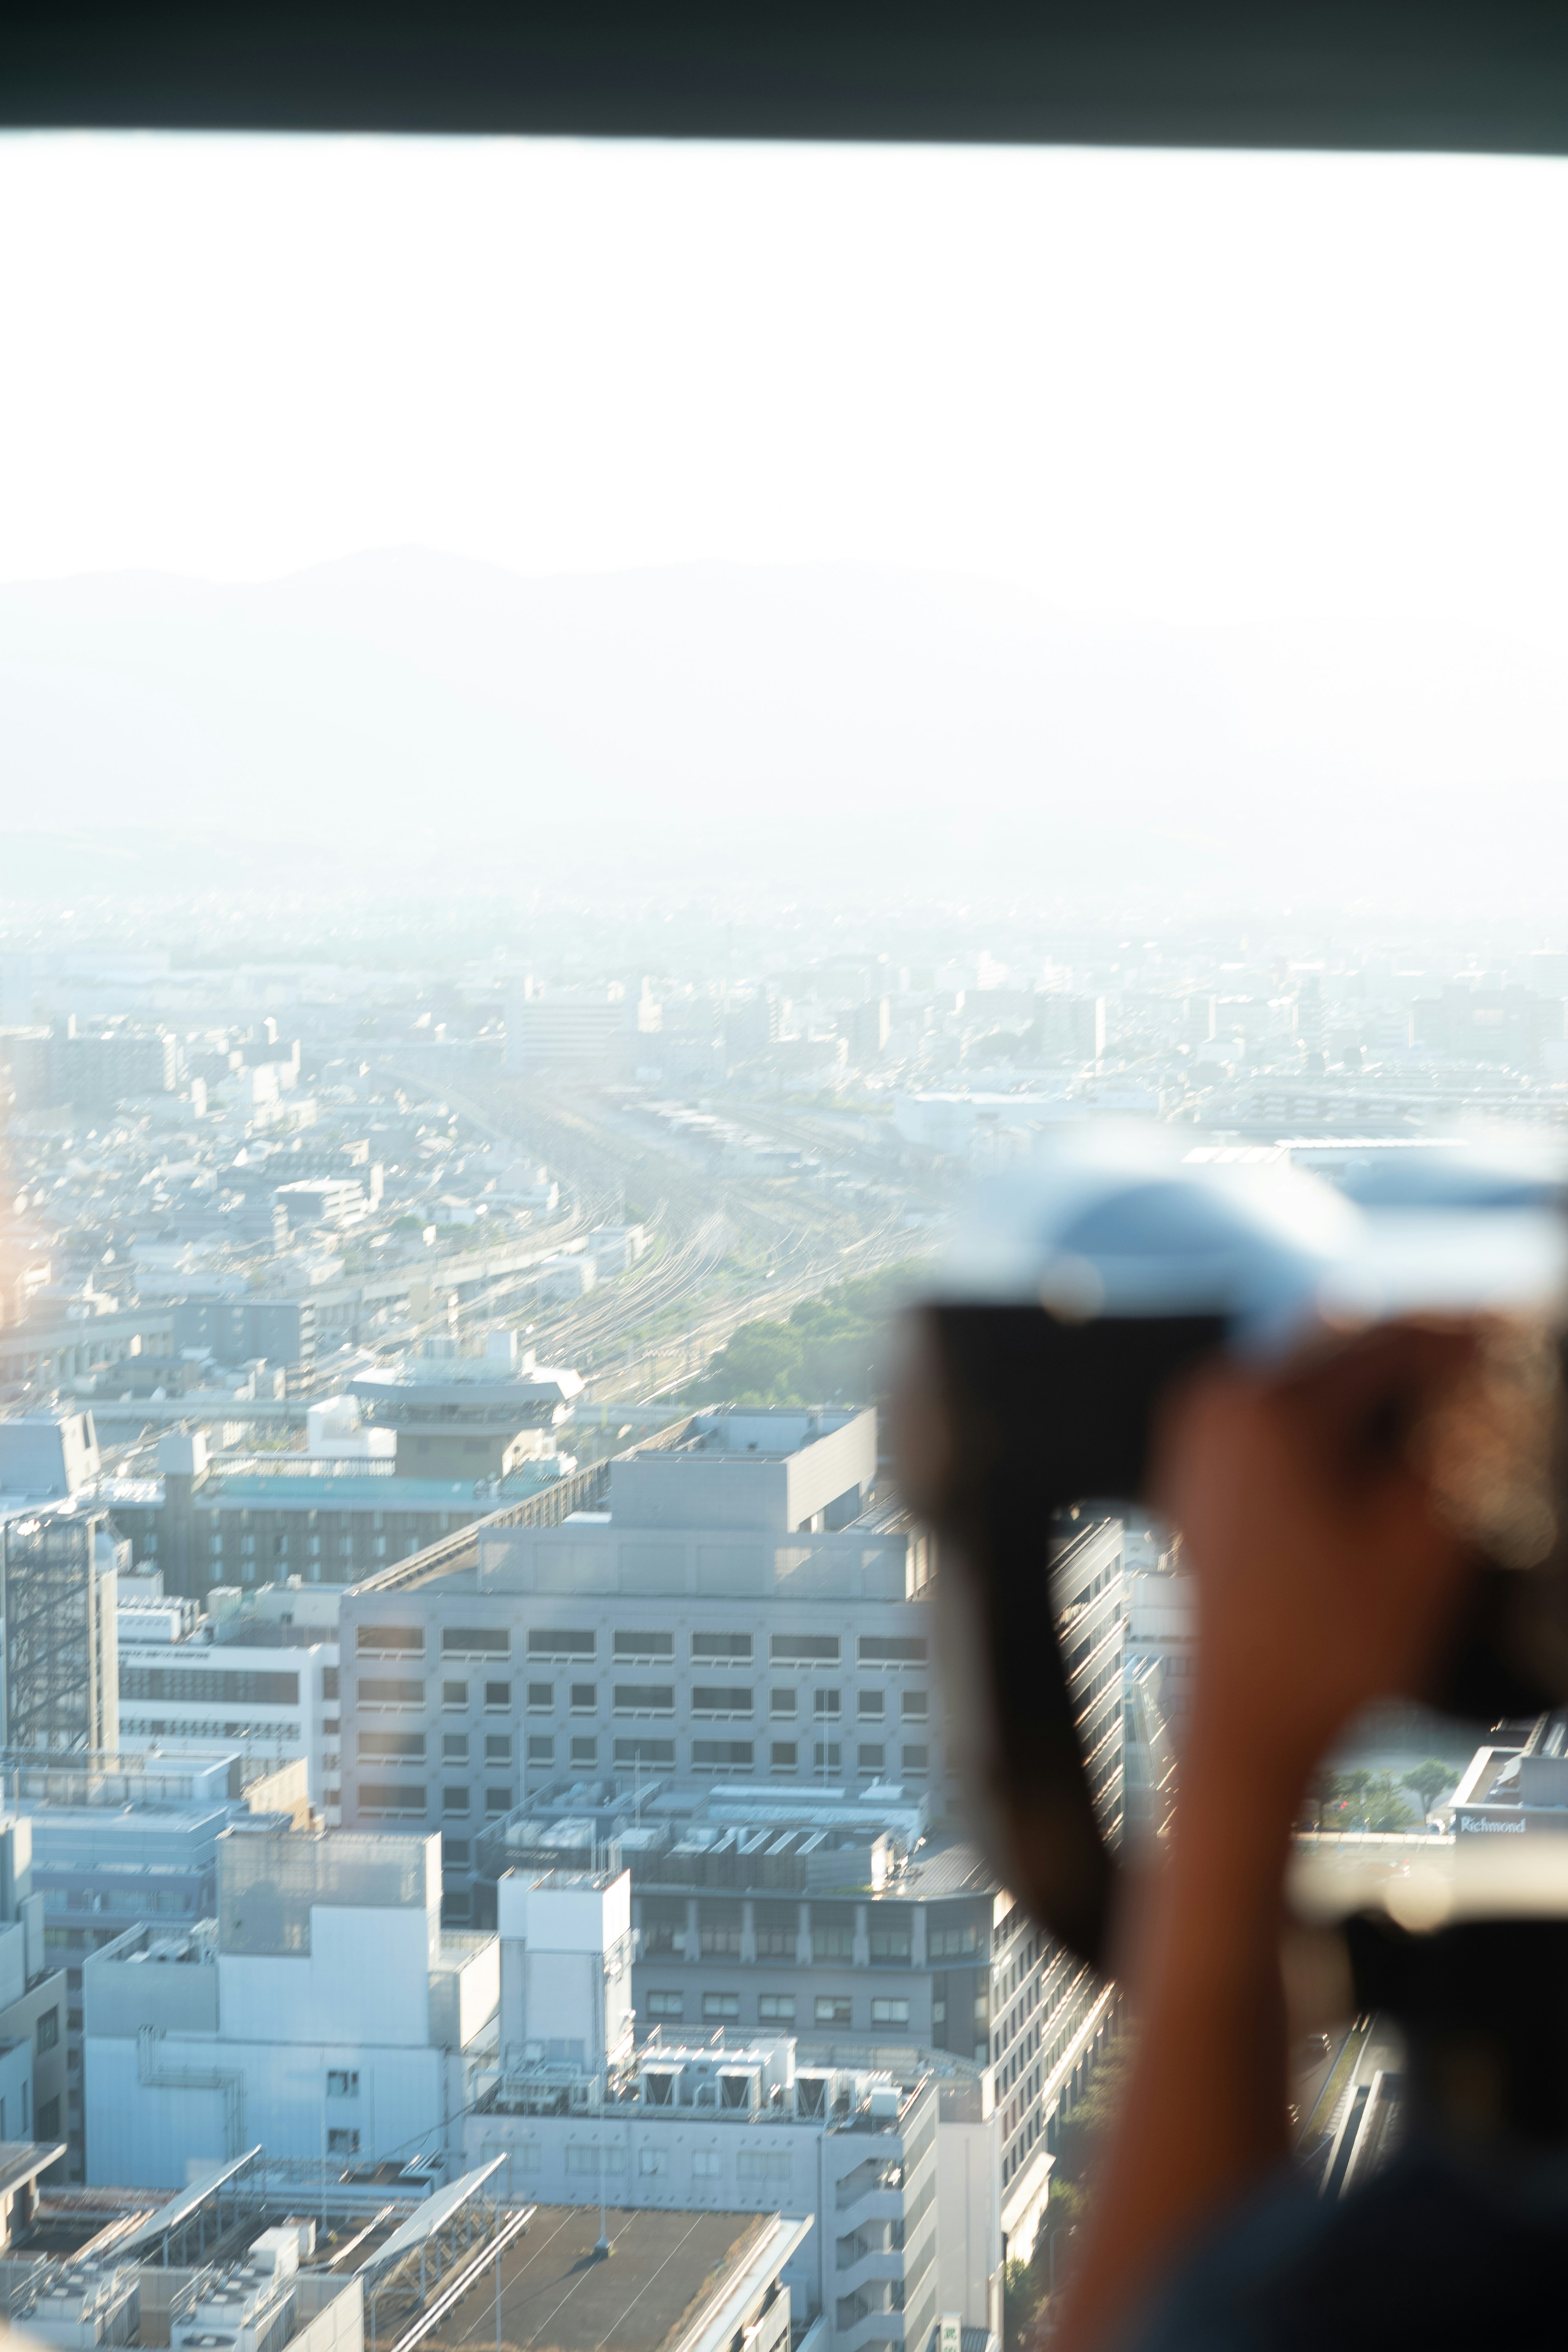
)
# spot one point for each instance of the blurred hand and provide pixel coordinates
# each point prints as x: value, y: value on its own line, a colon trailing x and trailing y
x: 1326, y: 1577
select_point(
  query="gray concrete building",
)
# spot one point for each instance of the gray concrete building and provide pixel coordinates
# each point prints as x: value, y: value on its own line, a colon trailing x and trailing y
x: 742, y: 1607
x: 32, y: 1999
x: 259, y: 1519
x: 744, y: 1631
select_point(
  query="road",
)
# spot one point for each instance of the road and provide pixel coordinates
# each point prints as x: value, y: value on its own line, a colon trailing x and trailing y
x: 1335, y: 2091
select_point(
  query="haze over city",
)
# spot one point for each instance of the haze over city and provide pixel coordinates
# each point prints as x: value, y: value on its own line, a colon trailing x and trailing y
x: 593, y: 738
x: 1153, y: 523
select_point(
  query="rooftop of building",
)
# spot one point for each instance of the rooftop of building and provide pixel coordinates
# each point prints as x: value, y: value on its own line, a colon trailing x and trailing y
x: 269, y: 1634
x: 773, y: 1432
x: 171, y: 1776
x: 336, y: 1486
x: 714, y: 2079
x: 671, y: 2271
x: 721, y: 1841
x: 304, y: 1481
x: 22, y: 2160
x: 726, y: 1833
x: 957, y: 1869
x: 471, y: 1382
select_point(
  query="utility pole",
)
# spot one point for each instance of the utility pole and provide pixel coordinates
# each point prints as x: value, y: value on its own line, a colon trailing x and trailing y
x: 603, y: 2248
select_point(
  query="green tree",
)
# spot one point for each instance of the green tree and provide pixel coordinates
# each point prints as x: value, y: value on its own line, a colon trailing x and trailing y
x: 1428, y: 1782
x: 760, y: 1365
x: 1078, y: 2139
x: 828, y: 1350
x: 1353, y: 1789
x: 1021, y: 2296
x: 1385, y: 1809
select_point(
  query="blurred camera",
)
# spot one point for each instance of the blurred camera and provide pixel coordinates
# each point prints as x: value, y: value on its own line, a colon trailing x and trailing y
x: 1077, y: 1294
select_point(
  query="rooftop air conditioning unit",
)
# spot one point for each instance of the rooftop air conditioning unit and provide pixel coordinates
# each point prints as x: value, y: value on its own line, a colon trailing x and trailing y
x: 738, y: 2088
x: 811, y: 2093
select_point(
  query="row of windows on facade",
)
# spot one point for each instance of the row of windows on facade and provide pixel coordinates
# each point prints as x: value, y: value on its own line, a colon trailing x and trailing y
x: 664, y: 1932
x: 141, y: 1902
x: 285, y: 1737
x: 774, y: 2009
x: 565, y: 1645
x: 591, y: 2158
x: 408, y: 1746
x: 730, y: 1756
x: 345, y: 1534
x: 457, y: 1697
x: 400, y: 1694
x: 1015, y: 2158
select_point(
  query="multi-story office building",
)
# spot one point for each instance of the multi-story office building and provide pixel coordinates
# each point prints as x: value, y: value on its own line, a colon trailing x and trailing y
x: 739, y: 1616
x: 1486, y: 1024
x: 257, y: 1670
x: 761, y: 1911
x: 46, y: 1456
x: 95, y: 1073
x: 322, y: 2013
x: 1161, y: 1625
x: 742, y: 2124
x: 576, y: 1028
x: 737, y: 1610
x: 262, y: 1519
x: 240, y: 1330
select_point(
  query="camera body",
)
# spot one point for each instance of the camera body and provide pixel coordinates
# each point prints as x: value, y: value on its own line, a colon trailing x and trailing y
x: 1075, y: 1300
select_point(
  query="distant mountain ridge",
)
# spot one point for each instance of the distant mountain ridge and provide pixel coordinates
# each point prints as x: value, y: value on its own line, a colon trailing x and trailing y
x: 703, y: 711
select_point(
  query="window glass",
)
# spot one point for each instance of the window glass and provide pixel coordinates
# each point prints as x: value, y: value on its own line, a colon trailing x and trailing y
x: 598, y: 733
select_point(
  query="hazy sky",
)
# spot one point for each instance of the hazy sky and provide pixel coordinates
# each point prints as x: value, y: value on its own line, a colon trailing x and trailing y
x: 1208, y: 387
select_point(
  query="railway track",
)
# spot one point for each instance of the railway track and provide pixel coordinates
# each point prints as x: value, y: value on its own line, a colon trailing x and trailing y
x: 702, y: 1220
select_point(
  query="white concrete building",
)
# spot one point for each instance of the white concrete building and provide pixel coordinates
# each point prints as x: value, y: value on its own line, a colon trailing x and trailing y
x: 901, y: 2170
x: 261, y: 1673
x: 323, y: 2014
x: 1162, y: 1623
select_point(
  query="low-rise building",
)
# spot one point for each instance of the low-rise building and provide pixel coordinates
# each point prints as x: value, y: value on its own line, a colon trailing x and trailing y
x: 119, y: 1838
x: 322, y: 2013
x: 1514, y: 1787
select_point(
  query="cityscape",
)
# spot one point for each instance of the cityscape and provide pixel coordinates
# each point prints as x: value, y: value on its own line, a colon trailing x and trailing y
x: 475, y: 1741
x: 595, y: 735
